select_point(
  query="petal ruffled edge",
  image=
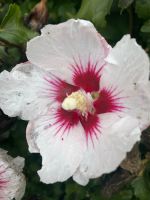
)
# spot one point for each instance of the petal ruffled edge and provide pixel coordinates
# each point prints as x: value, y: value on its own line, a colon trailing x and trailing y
x: 127, y: 64
x: 138, y: 103
x: 15, y: 183
x: 109, y: 151
x: 61, y: 46
x: 61, y: 147
x: 23, y: 92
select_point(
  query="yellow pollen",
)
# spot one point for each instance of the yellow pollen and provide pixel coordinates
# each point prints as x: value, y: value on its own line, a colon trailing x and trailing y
x: 76, y: 100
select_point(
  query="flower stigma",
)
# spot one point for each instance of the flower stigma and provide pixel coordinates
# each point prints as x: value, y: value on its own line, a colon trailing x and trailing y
x: 80, y: 101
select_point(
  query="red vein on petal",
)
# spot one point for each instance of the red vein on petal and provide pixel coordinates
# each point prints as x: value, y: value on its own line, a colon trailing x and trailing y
x: 87, y: 77
x: 59, y: 89
x: 109, y: 101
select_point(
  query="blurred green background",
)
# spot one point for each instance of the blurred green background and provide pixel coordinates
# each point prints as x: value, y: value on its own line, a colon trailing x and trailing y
x: 21, y: 21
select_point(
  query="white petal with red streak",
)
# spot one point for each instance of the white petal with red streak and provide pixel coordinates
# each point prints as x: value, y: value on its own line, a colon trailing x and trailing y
x: 127, y: 64
x: 109, y: 150
x: 59, y: 46
x: 61, y: 153
x: 23, y: 92
x: 11, y: 171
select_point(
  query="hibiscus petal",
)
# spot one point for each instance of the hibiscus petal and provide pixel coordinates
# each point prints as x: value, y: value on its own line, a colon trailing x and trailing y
x: 63, y: 46
x: 138, y: 103
x: 12, y: 181
x: 60, y: 140
x: 59, y: 89
x: 109, y: 149
x: 109, y: 100
x: 127, y: 64
x: 23, y: 92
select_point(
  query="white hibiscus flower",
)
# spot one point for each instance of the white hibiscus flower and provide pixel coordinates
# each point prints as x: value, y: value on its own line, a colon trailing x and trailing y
x: 12, y: 181
x: 87, y: 102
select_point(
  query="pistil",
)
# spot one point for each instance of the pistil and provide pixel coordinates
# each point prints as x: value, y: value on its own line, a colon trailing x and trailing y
x: 80, y: 101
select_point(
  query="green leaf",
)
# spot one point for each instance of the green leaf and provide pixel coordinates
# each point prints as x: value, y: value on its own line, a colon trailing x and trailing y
x: 66, y: 9
x: 8, y: 57
x: 113, y: 33
x: 122, y: 195
x: 12, y: 30
x: 140, y: 189
x: 95, y: 11
x: 75, y: 191
x: 125, y: 3
x: 146, y: 175
x: 146, y: 27
x: 142, y: 9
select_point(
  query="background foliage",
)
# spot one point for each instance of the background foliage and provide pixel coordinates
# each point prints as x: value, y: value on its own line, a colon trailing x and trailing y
x: 113, y: 18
